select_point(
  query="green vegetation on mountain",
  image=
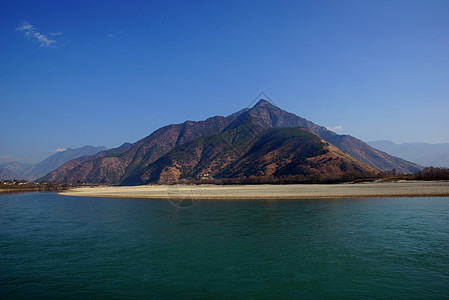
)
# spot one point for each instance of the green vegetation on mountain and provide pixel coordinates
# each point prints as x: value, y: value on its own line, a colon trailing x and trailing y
x: 250, y: 150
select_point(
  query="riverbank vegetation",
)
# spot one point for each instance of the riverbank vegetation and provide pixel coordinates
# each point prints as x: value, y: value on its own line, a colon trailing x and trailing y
x: 26, y: 186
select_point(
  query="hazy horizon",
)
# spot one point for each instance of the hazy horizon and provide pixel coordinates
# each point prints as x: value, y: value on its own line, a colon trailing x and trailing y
x: 109, y: 72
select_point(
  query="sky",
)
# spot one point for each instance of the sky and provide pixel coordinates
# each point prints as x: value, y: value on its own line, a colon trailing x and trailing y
x: 101, y: 73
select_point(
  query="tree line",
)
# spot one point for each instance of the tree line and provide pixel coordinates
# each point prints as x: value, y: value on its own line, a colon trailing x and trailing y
x: 24, y: 185
x: 428, y: 173
x: 432, y: 173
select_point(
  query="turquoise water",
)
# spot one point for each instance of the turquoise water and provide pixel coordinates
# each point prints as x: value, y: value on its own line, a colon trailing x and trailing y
x: 54, y: 247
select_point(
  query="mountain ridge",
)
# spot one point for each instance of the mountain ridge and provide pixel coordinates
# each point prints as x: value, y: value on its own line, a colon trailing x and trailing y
x: 58, y: 159
x: 18, y: 168
x: 425, y: 154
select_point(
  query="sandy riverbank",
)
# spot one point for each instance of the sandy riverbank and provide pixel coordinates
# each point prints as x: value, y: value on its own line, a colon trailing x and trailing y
x: 294, y: 191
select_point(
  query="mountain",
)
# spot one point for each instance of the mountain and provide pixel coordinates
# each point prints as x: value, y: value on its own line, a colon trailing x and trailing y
x: 58, y: 159
x: 436, y: 155
x: 250, y: 150
x: 268, y: 115
x: 58, y: 174
x: 7, y: 174
x: 371, y: 156
x: 293, y: 151
x: 113, y: 166
x: 19, y: 168
x: 147, y: 159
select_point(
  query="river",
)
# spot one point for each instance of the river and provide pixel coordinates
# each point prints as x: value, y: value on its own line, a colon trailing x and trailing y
x: 54, y: 247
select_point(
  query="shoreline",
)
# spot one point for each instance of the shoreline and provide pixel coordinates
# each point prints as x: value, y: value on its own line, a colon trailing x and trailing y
x: 269, y: 192
x: 29, y: 190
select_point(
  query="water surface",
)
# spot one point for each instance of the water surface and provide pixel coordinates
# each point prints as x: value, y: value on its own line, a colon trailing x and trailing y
x: 54, y: 246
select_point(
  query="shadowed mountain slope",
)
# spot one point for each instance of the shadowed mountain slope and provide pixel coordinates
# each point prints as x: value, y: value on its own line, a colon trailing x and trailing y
x: 268, y: 115
x: 250, y: 150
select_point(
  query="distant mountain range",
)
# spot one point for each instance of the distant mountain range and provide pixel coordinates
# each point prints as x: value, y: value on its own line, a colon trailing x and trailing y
x: 58, y: 159
x: 7, y: 174
x: 260, y: 141
x: 18, y: 168
x: 35, y: 171
x: 436, y: 155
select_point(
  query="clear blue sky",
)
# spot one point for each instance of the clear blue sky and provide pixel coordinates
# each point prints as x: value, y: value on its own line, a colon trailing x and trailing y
x: 106, y: 72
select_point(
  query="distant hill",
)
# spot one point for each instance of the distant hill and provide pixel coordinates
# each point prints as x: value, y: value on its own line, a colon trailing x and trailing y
x: 7, y: 174
x: 58, y: 159
x: 70, y: 168
x: 436, y: 155
x: 18, y: 168
x: 175, y: 151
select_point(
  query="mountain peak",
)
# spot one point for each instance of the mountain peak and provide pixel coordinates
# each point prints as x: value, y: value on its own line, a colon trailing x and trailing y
x: 263, y: 102
x: 264, y: 108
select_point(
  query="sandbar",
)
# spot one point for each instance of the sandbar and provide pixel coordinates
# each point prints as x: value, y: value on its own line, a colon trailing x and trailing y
x: 379, y: 189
